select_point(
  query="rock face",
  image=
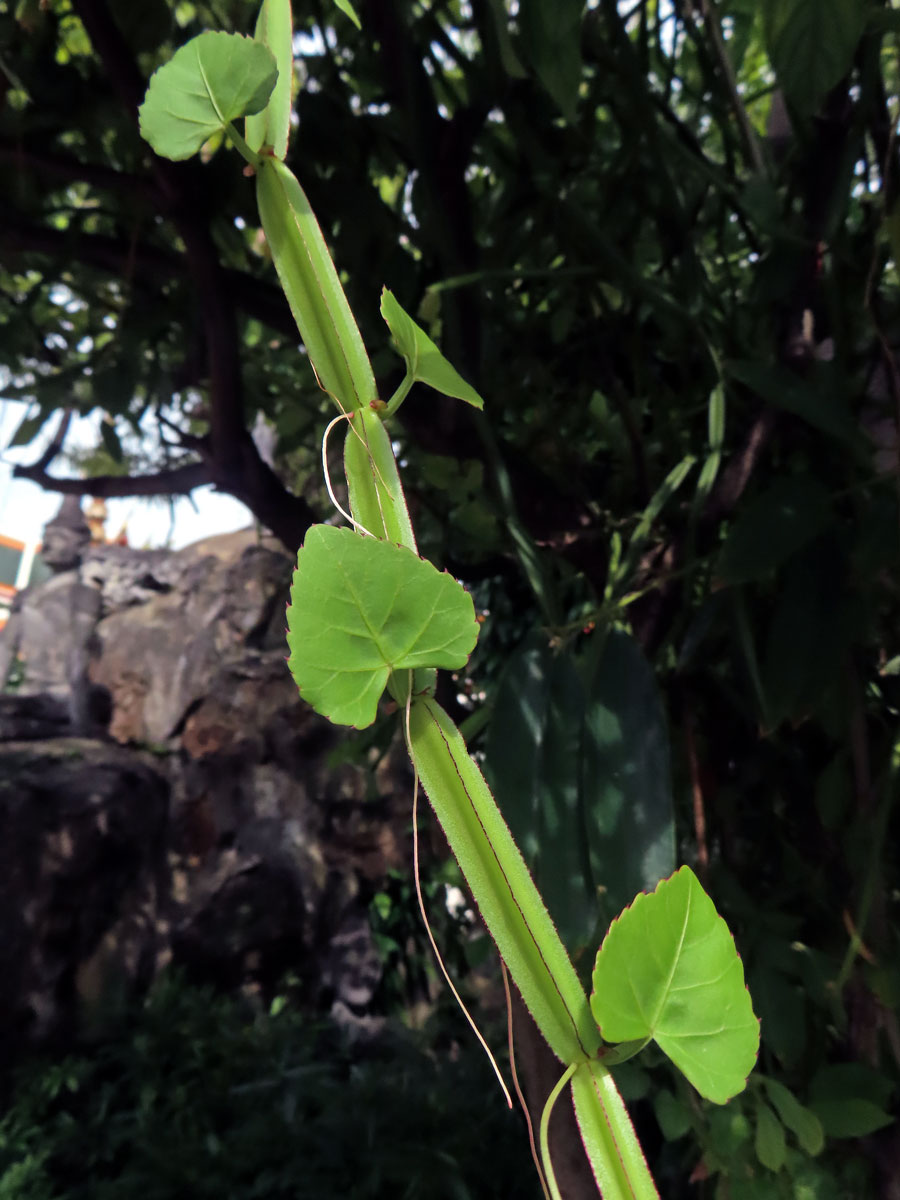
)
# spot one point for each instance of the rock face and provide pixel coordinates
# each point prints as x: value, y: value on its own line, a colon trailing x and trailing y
x: 83, y: 879
x: 209, y: 805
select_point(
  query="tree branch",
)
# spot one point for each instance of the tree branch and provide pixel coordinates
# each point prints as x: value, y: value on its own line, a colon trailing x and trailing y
x: 69, y: 169
x: 176, y: 482
x: 147, y: 264
x: 56, y: 442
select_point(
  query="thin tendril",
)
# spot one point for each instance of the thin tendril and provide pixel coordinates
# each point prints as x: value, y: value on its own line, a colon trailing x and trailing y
x: 459, y: 1000
x: 515, y: 1079
x: 545, y: 1130
x: 334, y: 500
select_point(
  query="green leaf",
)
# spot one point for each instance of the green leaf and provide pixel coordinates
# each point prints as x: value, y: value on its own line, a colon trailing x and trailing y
x: 551, y: 40
x: 668, y: 970
x: 850, y: 1117
x: 811, y: 44
x: 424, y: 362
x: 803, y: 1123
x: 272, y: 125
x: 771, y: 1148
x: 772, y: 527
x: 210, y: 82
x: 849, y: 1099
x: 672, y: 1114
x: 349, y: 11
x: 361, y: 608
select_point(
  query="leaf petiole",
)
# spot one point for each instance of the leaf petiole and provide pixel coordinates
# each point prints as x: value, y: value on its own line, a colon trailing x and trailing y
x: 401, y: 393
x: 254, y: 159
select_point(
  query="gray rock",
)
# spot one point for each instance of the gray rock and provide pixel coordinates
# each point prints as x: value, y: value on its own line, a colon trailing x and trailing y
x: 83, y: 881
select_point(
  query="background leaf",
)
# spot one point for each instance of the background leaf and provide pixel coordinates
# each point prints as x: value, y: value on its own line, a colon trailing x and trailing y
x: 811, y: 44
x: 772, y: 527
x: 668, y: 969
x: 551, y: 39
x: 361, y: 608
x: 626, y: 775
x: 801, y: 1121
x: 771, y: 1148
x: 578, y: 755
x: 212, y: 80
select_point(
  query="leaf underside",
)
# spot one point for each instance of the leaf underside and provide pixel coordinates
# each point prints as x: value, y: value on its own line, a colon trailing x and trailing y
x: 361, y: 608
x: 208, y: 83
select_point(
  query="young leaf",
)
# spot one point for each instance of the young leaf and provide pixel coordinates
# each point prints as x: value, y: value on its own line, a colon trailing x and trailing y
x: 424, y: 362
x: 210, y: 82
x: 271, y: 126
x: 349, y: 11
x: 668, y: 970
x: 771, y: 1149
x: 361, y: 608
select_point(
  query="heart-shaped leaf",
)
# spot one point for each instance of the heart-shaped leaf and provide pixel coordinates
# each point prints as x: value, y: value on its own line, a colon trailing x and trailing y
x: 210, y: 82
x: 668, y: 970
x: 361, y: 608
x: 424, y: 361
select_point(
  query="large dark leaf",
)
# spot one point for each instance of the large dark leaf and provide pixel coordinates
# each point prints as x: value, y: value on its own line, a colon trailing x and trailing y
x: 772, y: 527
x: 578, y: 758
x: 811, y: 44
x: 551, y: 39
x: 626, y: 776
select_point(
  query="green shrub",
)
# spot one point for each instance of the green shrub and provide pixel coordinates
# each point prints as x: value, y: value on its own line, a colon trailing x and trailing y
x: 194, y: 1095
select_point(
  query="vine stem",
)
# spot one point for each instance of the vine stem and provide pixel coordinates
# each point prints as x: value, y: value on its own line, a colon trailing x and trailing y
x: 419, y: 896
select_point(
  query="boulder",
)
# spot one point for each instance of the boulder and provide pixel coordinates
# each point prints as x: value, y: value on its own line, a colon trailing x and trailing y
x: 157, y: 660
x: 83, y: 881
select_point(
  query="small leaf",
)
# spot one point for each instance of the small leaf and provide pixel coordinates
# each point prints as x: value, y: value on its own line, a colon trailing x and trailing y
x: 804, y: 1124
x: 210, y: 82
x: 424, y: 361
x: 668, y: 970
x: 349, y: 11
x: 771, y: 1149
x: 672, y: 1114
x: 361, y: 608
